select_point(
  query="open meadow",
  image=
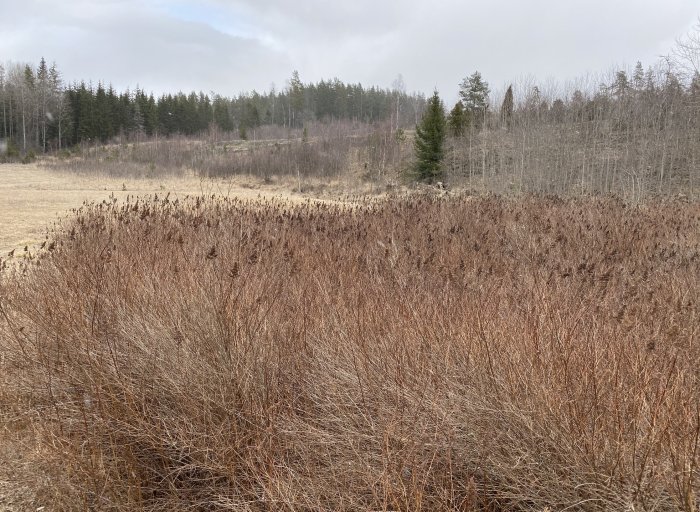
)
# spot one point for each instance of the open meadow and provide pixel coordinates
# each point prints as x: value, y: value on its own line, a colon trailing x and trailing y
x: 417, y: 353
x: 33, y: 197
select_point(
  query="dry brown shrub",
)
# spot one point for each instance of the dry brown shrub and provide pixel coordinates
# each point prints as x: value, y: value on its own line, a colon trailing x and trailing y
x: 429, y: 354
x: 325, y: 150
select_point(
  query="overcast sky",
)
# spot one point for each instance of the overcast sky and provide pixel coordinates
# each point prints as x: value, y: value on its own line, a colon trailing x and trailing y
x: 229, y: 46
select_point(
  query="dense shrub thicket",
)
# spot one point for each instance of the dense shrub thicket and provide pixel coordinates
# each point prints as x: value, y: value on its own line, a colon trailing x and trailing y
x: 465, y: 354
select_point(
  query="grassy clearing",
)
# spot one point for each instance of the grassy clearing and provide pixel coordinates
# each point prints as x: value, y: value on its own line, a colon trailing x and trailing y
x: 416, y: 354
x: 35, y: 196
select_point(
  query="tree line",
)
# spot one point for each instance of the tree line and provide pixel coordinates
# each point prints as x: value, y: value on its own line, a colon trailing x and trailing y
x: 633, y: 132
x: 41, y: 113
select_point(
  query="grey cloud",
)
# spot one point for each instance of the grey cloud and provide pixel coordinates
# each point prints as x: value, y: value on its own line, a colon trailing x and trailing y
x: 434, y: 44
x: 127, y: 44
x: 303, y: 19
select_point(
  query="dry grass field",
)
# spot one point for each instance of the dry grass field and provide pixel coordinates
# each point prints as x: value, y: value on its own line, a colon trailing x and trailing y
x: 409, y: 354
x: 32, y: 197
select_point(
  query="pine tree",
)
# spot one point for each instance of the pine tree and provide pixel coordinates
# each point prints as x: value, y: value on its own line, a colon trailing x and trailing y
x: 475, y: 94
x: 429, y: 142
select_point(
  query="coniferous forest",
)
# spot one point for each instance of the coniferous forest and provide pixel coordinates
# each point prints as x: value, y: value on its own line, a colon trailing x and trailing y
x: 40, y: 112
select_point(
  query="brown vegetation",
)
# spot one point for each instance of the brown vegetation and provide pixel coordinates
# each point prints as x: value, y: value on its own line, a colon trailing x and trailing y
x: 434, y: 354
x: 322, y: 150
x: 32, y: 196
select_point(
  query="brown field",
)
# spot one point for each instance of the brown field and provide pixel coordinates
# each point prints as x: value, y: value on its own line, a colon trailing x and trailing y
x: 416, y: 354
x: 32, y: 197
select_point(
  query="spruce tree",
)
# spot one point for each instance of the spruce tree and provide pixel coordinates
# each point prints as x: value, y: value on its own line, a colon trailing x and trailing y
x: 58, y: 103
x: 296, y: 97
x: 429, y: 141
x: 638, y: 77
x: 457, y: 120
x: 42, y: 76
x: 621, y: 84
x: 102, y: 114
x: 507, y: 107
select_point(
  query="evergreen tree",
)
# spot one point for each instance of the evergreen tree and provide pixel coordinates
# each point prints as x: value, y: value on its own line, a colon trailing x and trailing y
x: 125, y: 113
x: 137, y: 119
x: 650, y: 81
x: 507, y: 108
x: 429, y: 141
x: 150, y: 114
x: 638, y: 77
x: 102, y: 118
x: 251, y: 115
x: 296, y: 96
x: 28, y: 107
x: 206, y: 112
x: 621, y: 84
x: 221, y: 114
x: 458, y: 120
x: 558, y: 110
x: 475, y: 94
x: 42, y: 76
x: 59, y: 113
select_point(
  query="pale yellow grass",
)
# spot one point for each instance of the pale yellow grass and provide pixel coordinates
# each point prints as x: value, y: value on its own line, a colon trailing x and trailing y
x: 33, y: 197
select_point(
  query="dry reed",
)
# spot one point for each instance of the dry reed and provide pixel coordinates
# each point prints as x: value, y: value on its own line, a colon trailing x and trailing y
x: 419, y: 354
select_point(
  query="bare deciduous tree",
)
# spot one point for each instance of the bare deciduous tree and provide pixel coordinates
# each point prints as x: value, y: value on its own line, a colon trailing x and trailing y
x: 686, y: 53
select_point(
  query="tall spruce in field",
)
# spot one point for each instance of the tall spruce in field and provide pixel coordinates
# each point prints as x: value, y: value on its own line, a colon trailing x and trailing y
x: 429, y: 142
x: 507, y: 108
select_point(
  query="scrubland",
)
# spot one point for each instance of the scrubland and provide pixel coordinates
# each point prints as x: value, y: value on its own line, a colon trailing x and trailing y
x: 421, y: 353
